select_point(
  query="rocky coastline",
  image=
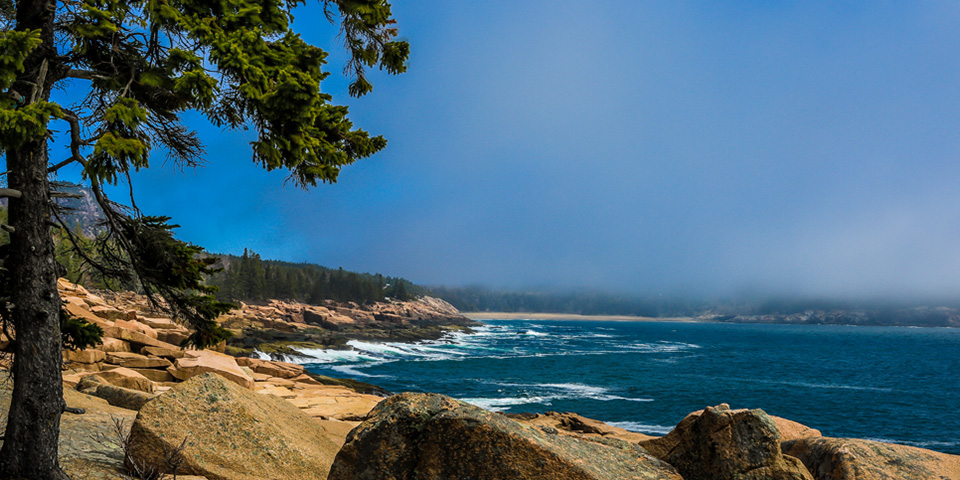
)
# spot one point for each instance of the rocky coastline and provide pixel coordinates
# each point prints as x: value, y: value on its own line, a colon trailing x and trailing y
x: 282, y: 330
x: 153, y: 410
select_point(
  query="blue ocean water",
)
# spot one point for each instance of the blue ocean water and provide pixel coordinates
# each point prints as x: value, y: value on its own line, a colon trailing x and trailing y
x: 896, y: 385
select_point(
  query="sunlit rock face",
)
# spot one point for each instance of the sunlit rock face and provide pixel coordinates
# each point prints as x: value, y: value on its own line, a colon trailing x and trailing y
x: 853, y: 459
x: 433, y: 437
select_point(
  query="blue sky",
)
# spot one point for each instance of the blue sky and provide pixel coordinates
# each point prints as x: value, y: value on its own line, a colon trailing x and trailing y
x: 642, y: 146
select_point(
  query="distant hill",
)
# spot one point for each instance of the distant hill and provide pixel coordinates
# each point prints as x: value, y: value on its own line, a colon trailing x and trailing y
x: 755, y: 310
x: 76, y: 206
x: 79, y: 208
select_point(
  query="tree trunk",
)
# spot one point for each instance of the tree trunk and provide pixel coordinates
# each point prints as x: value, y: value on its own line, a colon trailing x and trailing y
x: 33, y: 423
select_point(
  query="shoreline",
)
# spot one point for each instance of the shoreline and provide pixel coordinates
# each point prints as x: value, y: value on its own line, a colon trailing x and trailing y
x: 577, y: 317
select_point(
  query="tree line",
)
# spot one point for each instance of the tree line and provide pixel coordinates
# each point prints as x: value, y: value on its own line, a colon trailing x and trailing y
x: 251, y: 279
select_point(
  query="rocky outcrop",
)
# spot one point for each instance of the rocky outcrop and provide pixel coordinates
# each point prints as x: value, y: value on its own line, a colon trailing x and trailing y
x: 661, y: 446
x: 851, y: 459
x: 433, y: 437
x: 272, y: 369
x: 279, y: 329
x: 197, y: 362
x: 231, y: 433
x: 722, y: 444
x: 326, y: 402
x: 284, y: 329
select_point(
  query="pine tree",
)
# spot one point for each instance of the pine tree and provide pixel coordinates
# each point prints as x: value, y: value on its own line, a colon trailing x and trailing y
x: 143, y: 63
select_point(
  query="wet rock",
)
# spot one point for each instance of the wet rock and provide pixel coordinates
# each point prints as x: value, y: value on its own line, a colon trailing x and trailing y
x: 434, y: 437
x: 852, y: 459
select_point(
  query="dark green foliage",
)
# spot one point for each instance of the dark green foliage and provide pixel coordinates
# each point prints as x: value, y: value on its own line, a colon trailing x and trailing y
x: 251, y: 279
x: 149, y: 60
x: 77, y: 333
x: 167, y: 267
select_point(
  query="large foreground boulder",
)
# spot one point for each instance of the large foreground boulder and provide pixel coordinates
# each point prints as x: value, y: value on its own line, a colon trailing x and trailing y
x: 231, y: 433
x: 661, y: 446
x: 722, y: 444
x: 852, y: 459
x: 434, y: 437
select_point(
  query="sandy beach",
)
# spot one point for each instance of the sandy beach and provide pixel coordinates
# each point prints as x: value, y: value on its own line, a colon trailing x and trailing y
x: 571, y: 316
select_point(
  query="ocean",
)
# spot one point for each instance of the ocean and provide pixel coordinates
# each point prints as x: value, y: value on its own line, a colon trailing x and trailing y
x: 892, y: 384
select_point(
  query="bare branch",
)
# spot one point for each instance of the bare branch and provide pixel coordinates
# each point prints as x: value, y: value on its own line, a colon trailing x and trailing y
x: 54, y: 168
x: 75, y: 140
x: 84, y: 74
x: 9, y: 192
x: 133, y: 203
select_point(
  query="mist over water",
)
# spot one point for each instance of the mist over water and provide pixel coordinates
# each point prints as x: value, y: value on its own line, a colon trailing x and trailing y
x: 884, y: 383
x: 683, y: 148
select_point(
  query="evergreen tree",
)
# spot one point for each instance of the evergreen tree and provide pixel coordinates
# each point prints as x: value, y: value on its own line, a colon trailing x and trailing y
x: 143, y: 63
